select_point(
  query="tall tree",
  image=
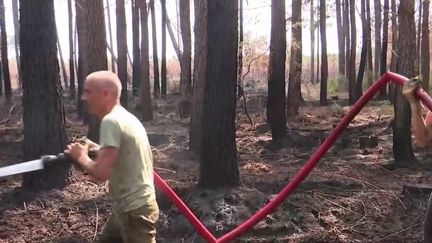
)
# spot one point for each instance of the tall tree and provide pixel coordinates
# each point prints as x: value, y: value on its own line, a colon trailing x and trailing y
x: 71, y: 52
x: 122, y: 50
x: 156, y: 83
x: 95, y: 48
x: 218, y: 167
x: 110, y: 36
x: 385, y: 38
x: 200, y: 54
x: 240, y: 51
x: 276, y: 115
x: 43, y: 113
x: 62, y: 64
x: 402, y: 146
x: 312, y: 41
x: 419, y: 31
x: 186, y: 57
x: 294, y: 87
x: 341, y: 38
x: 136, y: 70
x: 324, y: 63
x: 359, y: 84
x: 163, y: 61
x: 369, y: 62
x: 81, y: 27
x: 15, y: 15
x: 345, y: 7
x: 353, y: 50
x: 378, y: 23
x: 425, y: 51
x: 4, y: 53
x: 145, y: 65
x: 394, y: 46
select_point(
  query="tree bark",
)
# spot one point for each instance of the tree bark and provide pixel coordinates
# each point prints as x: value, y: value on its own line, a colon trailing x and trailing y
x: 341, y: 38
x: 324, y: 63
x: 156, y: 83
x: 200, y: 53
x: 419, y: 32
x: 402, y: 146
x: 369, y: 62
x: 353, y: 50
x: 294, y: 87
x: 378, y: 23
x: 163, y: 61
x: 4, y: 53
x: 43, y: 113
x: 240, y: 52
x: 122, y: 50
x: 312, y: 41
x: 362, y: 67
x: 218, y: 167
x: 81, y: 24
x: 347, y: 41
x: 113, y: 69
x: 145, y: 65
x: 276, y: 115
x: 425, y: 53
x: 185, y: 73
x: 15, y: 14
x: 394, y: 50
x: 136, y: 70
x: 71, y: 52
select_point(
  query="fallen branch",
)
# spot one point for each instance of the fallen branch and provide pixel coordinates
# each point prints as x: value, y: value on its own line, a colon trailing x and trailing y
x: 9, y: 115
x: 97, y: 220
x: 400, y: 231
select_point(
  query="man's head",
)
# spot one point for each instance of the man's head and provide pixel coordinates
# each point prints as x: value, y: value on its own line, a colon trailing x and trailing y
x: 102, y: 90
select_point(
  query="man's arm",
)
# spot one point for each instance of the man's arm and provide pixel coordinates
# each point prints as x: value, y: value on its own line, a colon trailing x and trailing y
x: 421, y: 128
x: 101, y: 167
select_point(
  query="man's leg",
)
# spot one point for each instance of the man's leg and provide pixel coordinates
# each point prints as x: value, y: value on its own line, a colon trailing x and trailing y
x: 138, y: 226
x: 427, y: 228
x: 111, y: 231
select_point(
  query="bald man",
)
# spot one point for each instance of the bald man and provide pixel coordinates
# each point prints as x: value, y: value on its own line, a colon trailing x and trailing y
x: 124, y: 158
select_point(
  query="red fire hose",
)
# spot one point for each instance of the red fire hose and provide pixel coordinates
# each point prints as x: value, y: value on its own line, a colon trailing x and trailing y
x: 301, y: 174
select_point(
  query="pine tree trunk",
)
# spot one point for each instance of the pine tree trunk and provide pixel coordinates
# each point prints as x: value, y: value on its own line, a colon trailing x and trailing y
x: 383, y: 59
x: 347, y: 41
x: 276, y: 115
x: 353, y: 50
x: 425, y: 51
x: 402, y: 146
x: 156, y: 83
x: 324, y: 63
x: 62, y: 64
x: 4, y: 53
x: 136, y: 70
x: 163, y: 61
x: 378, y: 23
x: 113, y: 69
x: 395, y: 49
x: 312, y: 42
x: 369, y: 62
x: 81, y: 24
x: 240, y: 51
x: 185, y: 73
x: 200, y: 53
x: 145, y: 65
x: 122, y: 50
x: 362, y: 67
x: 419, y: 31
x: 218, y: 167
x: 43, y: 114
x: 341, y: 38
x: 71, y: 52
x: 15, y: 14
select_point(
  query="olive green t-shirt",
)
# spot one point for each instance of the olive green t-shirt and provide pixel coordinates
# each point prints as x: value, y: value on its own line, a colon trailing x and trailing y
x: 131, y: 183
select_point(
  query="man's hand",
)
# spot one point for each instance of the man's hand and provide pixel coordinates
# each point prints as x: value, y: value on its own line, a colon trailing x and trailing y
x: 78, y: 152
x: 408, y: 90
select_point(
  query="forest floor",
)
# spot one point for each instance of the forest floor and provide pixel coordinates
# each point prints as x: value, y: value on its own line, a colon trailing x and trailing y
x: 354, y: 194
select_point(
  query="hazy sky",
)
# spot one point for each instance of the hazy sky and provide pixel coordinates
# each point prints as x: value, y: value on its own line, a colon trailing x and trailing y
x: 256, y: 21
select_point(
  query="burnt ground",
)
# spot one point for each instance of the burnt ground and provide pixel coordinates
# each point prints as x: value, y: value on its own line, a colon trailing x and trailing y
x: 354, y: 194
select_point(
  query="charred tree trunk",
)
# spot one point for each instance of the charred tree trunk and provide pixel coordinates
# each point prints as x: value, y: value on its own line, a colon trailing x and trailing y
x: 71, y: 52
x: 402, y: 146
x: 312, y: 41
x: 419, y: 32
x: 186, y: 72
x: 110, y: 35
x: 359, y: 84
x: 145, y: 65
x: 62, y: 64
x: 240, y: 53
x: 383, y: 60
x: 122, y: 50
x: 324, y: 63
x: 347, y: 41
x: 43, y: 114
x: 218, y: 167
x: 15, y: 14
x: 341, y: 38
x: 369, y: 62
x: 136, y: 70
x: 425, y: 51
x: 163, y: 61
x: 394, y: 50
x: 353, y: 50
x: 82, y: 64
x: 276, y: 115
x: 378, y: 23
x: 4, y: 53
x: 156, y: 83
x: 294, y: 87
